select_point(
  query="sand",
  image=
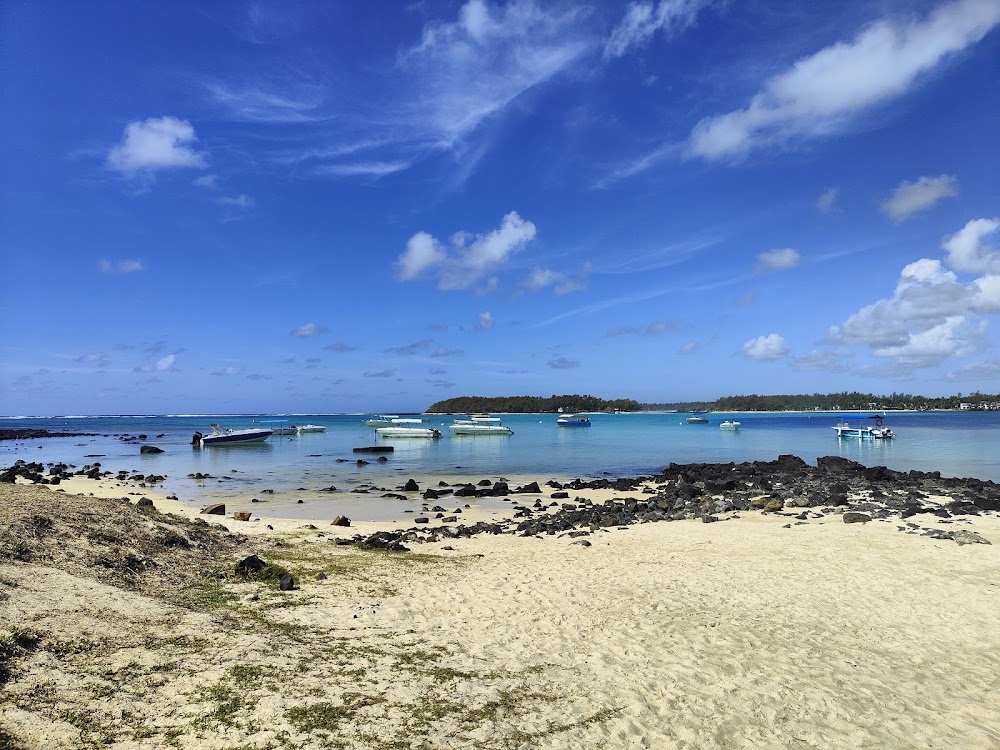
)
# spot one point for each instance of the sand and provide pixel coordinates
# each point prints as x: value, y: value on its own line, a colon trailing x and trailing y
x: 737, y: 634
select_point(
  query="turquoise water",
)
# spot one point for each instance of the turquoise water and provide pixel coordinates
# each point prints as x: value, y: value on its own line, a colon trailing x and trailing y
x: 963, y: 444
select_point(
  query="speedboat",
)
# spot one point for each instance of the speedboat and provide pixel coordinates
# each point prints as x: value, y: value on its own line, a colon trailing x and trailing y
x: 408, y: 432
x: 310, y: 428
x: 573, y: 420
x: 852, y: 426
x: 696, y: 419
x: 223, y: 436
x: 730, y: 425
x: 479, y: 424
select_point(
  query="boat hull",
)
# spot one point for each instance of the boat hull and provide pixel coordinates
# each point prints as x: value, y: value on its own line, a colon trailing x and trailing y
x: 408, y: 432
x: 237, y: 437
x: 473, y: 429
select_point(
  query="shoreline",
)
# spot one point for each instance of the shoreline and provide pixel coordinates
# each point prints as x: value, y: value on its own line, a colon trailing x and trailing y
x: 134, y: 631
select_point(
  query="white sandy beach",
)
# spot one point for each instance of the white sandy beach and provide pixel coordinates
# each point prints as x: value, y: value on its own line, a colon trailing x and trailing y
x: 738, y: 634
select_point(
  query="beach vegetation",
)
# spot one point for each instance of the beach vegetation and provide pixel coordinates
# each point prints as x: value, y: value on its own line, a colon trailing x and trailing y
x: 326, y: 717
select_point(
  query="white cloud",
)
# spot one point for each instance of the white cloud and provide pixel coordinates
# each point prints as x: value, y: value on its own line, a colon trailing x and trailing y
x: 206, y: 181
x: 287, y: 102
x: 485, y: 321
x: 777, y: 260
x: 925, y: 295
x: 308, y: 329
x: 930, y: 315
x: 156, y: 143
x: 466, y: 263
x: 121, y: 266
x: 912, y: 197
x: 443, y: 351
x: 422, y: 252
x: 827, y: 201
x: 951, y: 338
x: 690, y: 347
x: 91, y: 357
x: 362, y: 168
x: 966, y: 250
x: 228, y: 372
x: 161, y: 365
x: 820, y: 92
x: 765, y: 348
x: 642, y: 20
x: 988, y: 369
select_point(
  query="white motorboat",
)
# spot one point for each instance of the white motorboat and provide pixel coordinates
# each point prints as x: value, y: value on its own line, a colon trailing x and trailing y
x: 479, y: 424
x: 696, y: 419
x: 224, y: 436
x: 310, y: 428
x: 392, y: 420
x: 408, y: 432
x: 573, y: 420
x: 729, y: 424
x: 277, y: 426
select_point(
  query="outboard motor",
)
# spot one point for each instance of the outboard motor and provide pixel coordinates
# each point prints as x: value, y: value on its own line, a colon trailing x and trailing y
x: 196, y: 438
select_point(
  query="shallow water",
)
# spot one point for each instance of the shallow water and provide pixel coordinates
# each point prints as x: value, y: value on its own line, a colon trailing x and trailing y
x: 965, y: 444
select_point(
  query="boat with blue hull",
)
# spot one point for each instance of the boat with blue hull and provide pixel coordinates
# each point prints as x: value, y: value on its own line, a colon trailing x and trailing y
x: 224, y: 436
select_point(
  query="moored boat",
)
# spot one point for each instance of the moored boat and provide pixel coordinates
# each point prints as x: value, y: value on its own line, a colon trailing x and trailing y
x: 696, y: 419
x: 730, y: 424
x: 479, y: 424
x: 408, y: 432
x: 224, y: 436
x: 277, y: 426
x: 573, y: 420
x: 863, y: 428
x: 310, y: 428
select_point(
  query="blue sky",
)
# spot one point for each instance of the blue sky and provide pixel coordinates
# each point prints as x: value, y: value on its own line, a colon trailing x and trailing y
x: 324, y: 206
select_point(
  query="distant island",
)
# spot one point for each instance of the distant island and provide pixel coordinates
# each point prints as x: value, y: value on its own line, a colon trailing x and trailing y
x: 530, y: 404
x: 847, y: 401
x: 852, y: 401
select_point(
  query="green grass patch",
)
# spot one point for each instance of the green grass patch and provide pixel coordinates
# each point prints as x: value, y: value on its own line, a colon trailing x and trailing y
x: 326, y: 717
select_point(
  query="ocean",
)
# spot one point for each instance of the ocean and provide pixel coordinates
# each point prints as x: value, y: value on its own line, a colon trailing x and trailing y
x: 961, y: 444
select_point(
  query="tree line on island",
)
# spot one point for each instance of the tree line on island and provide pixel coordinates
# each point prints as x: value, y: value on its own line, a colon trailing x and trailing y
x: 530, y: 404
x: 847, y: 401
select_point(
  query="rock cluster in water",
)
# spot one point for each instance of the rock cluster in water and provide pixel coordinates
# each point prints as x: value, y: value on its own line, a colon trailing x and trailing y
x: 39, y: 473
x: 787, y: 486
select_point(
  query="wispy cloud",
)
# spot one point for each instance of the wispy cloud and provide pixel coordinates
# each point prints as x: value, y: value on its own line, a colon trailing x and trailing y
x: 121, y: 266
x: 827, y: 201
x: 340, y: 347
x: 777, y: 260
x: 153, y: 144
x: 275, y: 102
x: 485, y: 321
x: 653, y: 329
x: 563, y: 363
x: 822, y: 92
x: 643, y: 20
x: 237, y: 201
x: 561, y: 283
x: 308, y: 329
x: 443, y: 351
x: 228, y: 372
x: 912, y: 197
x: 411, y: 349
x: 381, y: 374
